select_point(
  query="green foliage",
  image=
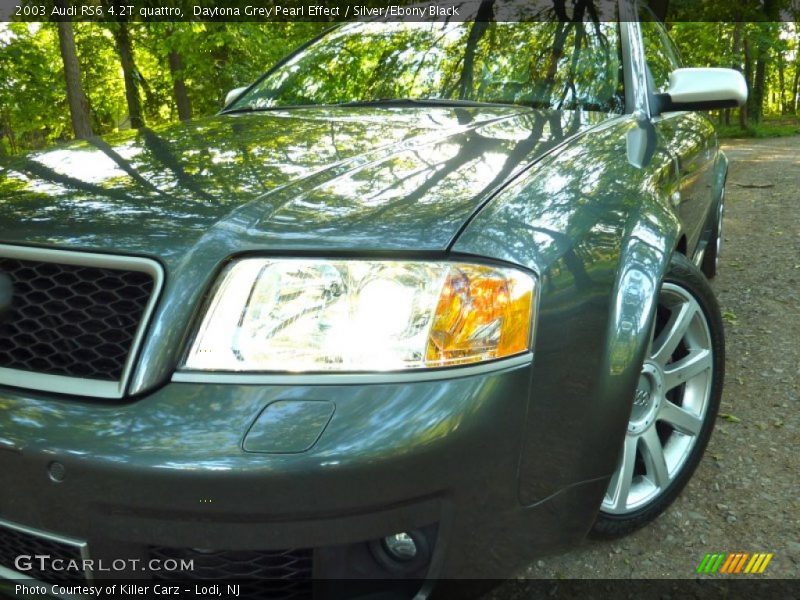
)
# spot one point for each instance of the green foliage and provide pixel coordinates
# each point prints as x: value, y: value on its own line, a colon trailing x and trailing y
x: 100, y: 75
x: 33, y: 105
x: 216, y: 58
x: 766, y: 129
x: 213, y: 58
x: 569, y: 65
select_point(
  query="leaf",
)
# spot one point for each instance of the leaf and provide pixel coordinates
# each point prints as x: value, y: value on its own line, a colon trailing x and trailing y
x: 729, y: 417
x: 729, y: 316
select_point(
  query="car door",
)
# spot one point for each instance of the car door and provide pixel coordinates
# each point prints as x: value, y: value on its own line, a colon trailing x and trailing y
x: 688, y: 136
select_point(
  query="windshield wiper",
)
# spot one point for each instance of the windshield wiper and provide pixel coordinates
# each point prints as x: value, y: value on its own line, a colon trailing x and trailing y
x: 248, y: 109
x: 402, y: 102
x: 378, y: 102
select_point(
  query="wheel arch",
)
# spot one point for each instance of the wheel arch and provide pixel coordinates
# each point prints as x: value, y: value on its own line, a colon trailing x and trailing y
x: 718, y: 191
x: 647, y: 250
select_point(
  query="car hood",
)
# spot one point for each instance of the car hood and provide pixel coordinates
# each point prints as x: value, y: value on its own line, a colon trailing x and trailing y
x: 318, y: 179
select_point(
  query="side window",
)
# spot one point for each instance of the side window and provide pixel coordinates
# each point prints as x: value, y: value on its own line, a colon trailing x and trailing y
x: 660, y: 53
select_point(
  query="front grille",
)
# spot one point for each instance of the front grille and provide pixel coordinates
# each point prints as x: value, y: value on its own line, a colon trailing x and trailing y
x: 273, y: 574
x: 70, y: 320
x: 14, y: 543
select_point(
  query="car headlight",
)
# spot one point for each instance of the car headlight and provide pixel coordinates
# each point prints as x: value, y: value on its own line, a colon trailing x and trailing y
x: 270, y: 314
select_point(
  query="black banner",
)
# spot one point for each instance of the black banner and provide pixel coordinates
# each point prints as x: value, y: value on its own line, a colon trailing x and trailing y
x: 362, y: 10
x: 730, y: 588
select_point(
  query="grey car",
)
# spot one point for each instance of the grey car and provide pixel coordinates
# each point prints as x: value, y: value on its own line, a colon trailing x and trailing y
x: 425, y: 301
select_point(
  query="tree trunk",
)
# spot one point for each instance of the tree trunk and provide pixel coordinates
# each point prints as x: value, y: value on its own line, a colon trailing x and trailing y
x: 796, y: 83
x: 78, y: 104
x: 781, y: 83
x: 7, y: 132
x: 150, y: 99
x: 759, y: 81
x: 476, y: 32
x: 125, y: 51
x: 748, y: 76
x: 179, y: 86
x: 736, y: 63
x: 766, y: 34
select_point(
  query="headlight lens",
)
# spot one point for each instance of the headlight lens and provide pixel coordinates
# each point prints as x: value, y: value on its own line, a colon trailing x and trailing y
x: 361, y: 315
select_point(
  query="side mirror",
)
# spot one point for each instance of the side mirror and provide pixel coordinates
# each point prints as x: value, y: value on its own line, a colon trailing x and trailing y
x: 233, y: 95
x: 641, y: 143
x: 703, y: 89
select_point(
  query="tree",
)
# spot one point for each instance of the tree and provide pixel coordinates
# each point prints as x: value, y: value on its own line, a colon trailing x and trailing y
x: 735, y: 64
x: 767, y: 38
x: 795, y: 90
x: 176, y: 71
x: 33, y: 104
x: 179, y: 85
x: 78, y: 104
x: 129, y: 73
x: 167, y: 43
x: 796, y: 85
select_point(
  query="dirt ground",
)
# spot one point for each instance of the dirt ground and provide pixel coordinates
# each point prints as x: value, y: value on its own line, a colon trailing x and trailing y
x: 745, y: 495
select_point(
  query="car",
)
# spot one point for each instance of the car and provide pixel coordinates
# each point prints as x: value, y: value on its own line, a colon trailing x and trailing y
x: 427, y: 300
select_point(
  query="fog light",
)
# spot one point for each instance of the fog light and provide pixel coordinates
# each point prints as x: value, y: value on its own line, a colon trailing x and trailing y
x: 401, y: 547
x: 406, y: 553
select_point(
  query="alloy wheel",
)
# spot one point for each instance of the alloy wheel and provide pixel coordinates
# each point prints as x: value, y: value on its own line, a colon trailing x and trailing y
x: 670, y: 404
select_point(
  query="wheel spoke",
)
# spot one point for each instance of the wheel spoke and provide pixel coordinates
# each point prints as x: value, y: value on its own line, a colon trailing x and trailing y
x: 620, y: 485
x: 669, y: 338
x: 653, y: 455
x: 689, y: 366
x: 680, y: 418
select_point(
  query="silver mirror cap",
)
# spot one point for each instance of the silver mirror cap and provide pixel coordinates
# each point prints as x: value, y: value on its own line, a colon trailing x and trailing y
x: 704, y: 89
x: 234, y: 94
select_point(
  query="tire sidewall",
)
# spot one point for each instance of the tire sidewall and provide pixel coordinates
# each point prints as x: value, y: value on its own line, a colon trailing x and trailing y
x: 710, y: 256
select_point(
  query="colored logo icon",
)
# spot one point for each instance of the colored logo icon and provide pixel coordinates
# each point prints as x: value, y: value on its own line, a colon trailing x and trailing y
x: 734, y: 563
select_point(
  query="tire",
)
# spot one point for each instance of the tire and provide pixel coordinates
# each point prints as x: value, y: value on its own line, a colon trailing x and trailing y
x: 710, y: 263
x: 675, y: 404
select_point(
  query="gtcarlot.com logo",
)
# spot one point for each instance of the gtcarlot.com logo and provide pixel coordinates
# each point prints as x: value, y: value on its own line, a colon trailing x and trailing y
x: 734, y: 563
x: 47, y: 563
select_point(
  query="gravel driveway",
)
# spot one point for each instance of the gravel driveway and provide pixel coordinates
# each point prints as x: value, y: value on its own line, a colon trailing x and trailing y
x: 745, y: 495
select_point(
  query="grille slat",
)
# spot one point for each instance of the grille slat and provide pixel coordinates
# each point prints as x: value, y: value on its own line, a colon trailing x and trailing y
x: 273, y: 574
x: 70, y: 320
x: 14, y: 543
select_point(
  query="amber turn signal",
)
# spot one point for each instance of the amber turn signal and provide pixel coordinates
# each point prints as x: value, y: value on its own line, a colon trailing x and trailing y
x: 483, y: 313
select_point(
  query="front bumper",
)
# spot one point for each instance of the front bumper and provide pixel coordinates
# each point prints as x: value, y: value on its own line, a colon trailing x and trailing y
x: 170, y: 470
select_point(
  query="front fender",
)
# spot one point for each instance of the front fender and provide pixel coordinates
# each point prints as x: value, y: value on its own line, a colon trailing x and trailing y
x: 599, y: 232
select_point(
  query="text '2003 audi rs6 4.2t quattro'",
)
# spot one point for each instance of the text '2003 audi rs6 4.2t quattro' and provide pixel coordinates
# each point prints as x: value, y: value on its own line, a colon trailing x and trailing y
x: 426, y: 300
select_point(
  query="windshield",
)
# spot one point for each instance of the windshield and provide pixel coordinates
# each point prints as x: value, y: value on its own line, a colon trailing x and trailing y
x: 561, y: 65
